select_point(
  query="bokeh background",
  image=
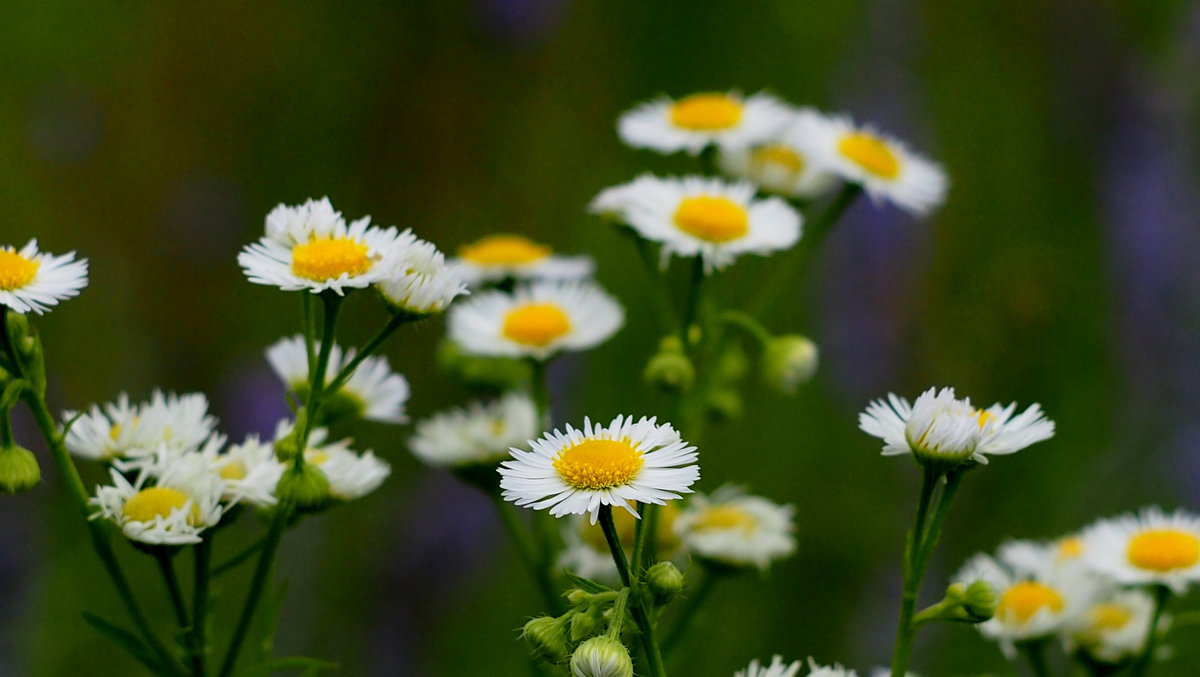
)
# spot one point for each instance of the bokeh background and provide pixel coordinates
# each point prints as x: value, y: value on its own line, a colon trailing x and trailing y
x: 152, y: 137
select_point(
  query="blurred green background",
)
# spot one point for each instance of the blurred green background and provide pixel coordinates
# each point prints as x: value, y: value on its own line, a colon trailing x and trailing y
x: 153, y: 137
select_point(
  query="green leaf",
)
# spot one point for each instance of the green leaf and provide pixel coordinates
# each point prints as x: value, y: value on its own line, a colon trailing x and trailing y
x: 129, y: 641
x: 311, y: 666
x: 586, y: 584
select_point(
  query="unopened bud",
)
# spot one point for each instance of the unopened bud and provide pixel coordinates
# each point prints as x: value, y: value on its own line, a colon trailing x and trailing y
x: 670, y: 369
x: 546, y: 639
x: 583, y: 624
x: 305, y: 488
x: 601, y: 656
x: 980, y: 600
x: 19, y: 469
x: 665, y: 582
x: 724, y: 404
x: 788, y: 362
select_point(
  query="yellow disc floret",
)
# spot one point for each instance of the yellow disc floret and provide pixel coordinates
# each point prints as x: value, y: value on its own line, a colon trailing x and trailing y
x: 536, y: 324
x: 233, y: 470
x: 323, y: 259
x: 779, y: 156
x: 1164, y: 550
x: 1024, y: 600
x: 706, y: 112
x: 504, y: 250
x: 871, y: 153
x: 16, y: 271
x: 154, y: 502
x: 1108, y: 616
x: 724, y: 517
x: 1070, y: 548
x: 598, y: 464
x: 711, y: 218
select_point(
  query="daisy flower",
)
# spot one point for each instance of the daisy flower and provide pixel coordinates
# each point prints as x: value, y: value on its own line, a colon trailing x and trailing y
x: 311, y: 247
x: 587, y: 553
x: 1151, y: 548
x: 1114, y: 629
x: 736, y: 529
x: 497, y: 257
x: 695, y: 121
x: 783, y: 163
x: 373, y: 391
x: 882, y: 165
x: 122, y: 431
x: 698, y: 216
x: 601, y: 656
x: 480, y: 434
x: 536, y: 320
x: 418, y: 280
x: 942, y: 429
x: 250, y: 472
x: 777, y: 668
x: 350, y: 475
x: 577, y: 471
x: 172, y: 509
x: 31, y: 280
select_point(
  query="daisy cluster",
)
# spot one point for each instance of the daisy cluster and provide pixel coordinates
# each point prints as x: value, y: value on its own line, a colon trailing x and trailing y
x: 1098, y: 591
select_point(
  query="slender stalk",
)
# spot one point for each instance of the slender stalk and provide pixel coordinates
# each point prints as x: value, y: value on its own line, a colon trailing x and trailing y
x: 637, y: 559
x: 539, y: 391
x: 529, y: 554
x: 333, y: 304
x: 640, y: 612
x: 662, y: 296
x: 237, y: 559
x: 934, y: 531
x: 695, y: 291
x: 787, y: 267
x: 747, y: 323
x: 201, y: 577
x: 377, y: 340
x: 1035, y: 654
x: 912, y: 582
x: 166, y: 566
x: 261, y: 573
x: 691, y: 605
x: 1162, y: 595
x: 618, y: 614
x: 310, y: 331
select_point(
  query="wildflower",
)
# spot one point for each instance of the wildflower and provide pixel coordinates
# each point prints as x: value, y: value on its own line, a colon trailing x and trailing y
x: 536, y: 320
x: 697, y: 216
x: 782, y: 163
x: 777, y: 668
x: 736, y: 529
x: 601, y: 656
x: 373, y: 391
x: 418, y: 280
x: 577, y: 471
x: 171, y: 509
x: 696, y: 121
x: 1151, y: 548
x: 31, y: 280
x: 497, y: 257
x: 478, y: 434
x: 123, y: 431
x: 1114, y: 628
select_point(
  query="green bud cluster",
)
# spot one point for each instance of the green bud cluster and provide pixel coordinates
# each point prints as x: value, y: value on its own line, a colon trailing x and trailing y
x: 964, y: 603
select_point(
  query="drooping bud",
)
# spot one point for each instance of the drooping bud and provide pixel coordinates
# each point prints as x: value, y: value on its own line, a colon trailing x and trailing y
x: 601, y: 656
x: 547, y: 639
x: 670, y: 368
x: 788, y: 362
x: 665, y: 582
x: 19, y: 469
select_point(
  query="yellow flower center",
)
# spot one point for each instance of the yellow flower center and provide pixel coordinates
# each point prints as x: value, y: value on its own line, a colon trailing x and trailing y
x: 147, y: 504
x: 983, y: 417
x: 778, y: 155
x: 504, y: 250
x: 1164, y: 550
x: 715, y: 219
x: 1023, y: 600
x: 536, y: 324
x: 316, y: 457
x: 598, y: 464
x: 871, y: 153
x: 329, y: 258
x: 706, y: 112
x: 16, y: 271
x: 1070, y: 548
x: 1109, y: 616
x: 233, y: 470
x: 727, y: 517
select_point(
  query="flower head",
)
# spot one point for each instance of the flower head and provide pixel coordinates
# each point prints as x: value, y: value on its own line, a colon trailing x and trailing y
x: 601, y: 656
x: 478, y: 434
x: 497, y: 257
x: 1150, y: 548
x: 736, y: 529
x: 373, y: 391
x: 692, y: 123
x: 123, y: 431
x: 31, y: 280
x: 777, y: 668
x: 172, y: 506
x: 782, y: 163
x: 418, y: 280
x: 1114, y: 628
x: 576, y: 471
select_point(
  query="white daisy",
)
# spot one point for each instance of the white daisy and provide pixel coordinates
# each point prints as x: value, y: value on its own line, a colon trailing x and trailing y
x: 372, y: 392
x: 705, y: 217
x: 311, y: 247
x: 782, y: 163
x: 587, y: 553
x: 250, y: 472
x: 419, y: 281
x: 497, y: 257
x: 735, y: 529
x: 695, y: 121
x: 1113, y: 629
x: 31, y: 280
x: 815, y: 670
x: 480, y: 434
x: 777, y: 668
x: 577, y: 471
x: 130, y: 432
x: 172, y: 509
x: 884, y: 166
x: 350, y: 475
x: 941, y: 428
x: 536, y: 320
x: 1151, y: 548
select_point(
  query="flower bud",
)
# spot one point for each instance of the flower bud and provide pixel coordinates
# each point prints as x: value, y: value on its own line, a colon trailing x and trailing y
x: 305, y: 488
x: 583, y: 624
x: 788, y: 362
x: 980, y: 601
x: 665, y: 582
x: 546, y: 639
x: 724, y: 404
x: 670, y: 369
x: 19, y: 470
x: 601, y: 656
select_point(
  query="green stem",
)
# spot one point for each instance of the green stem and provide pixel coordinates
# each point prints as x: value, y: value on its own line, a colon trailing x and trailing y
x: 166, y: 565
x: 1162, y: 595
x: 691, y: 606
x: 1035, y: 654
x: 618, y: 615
x: 529, y: 554
x: 261, y: 572
x: 695, y: 291
x: 540, y: 392
x: 912, y: 583
x: 203, y: 560
x: 310, y: 331
x: 784, y: 270
x: 641, y: 529
x: 333, y: 304
x: 747, y: 323
x: 237, y: 559
x: 933, y: 533
x: 640, y: 612
x: 662, y: 296
x: 377, y: 340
